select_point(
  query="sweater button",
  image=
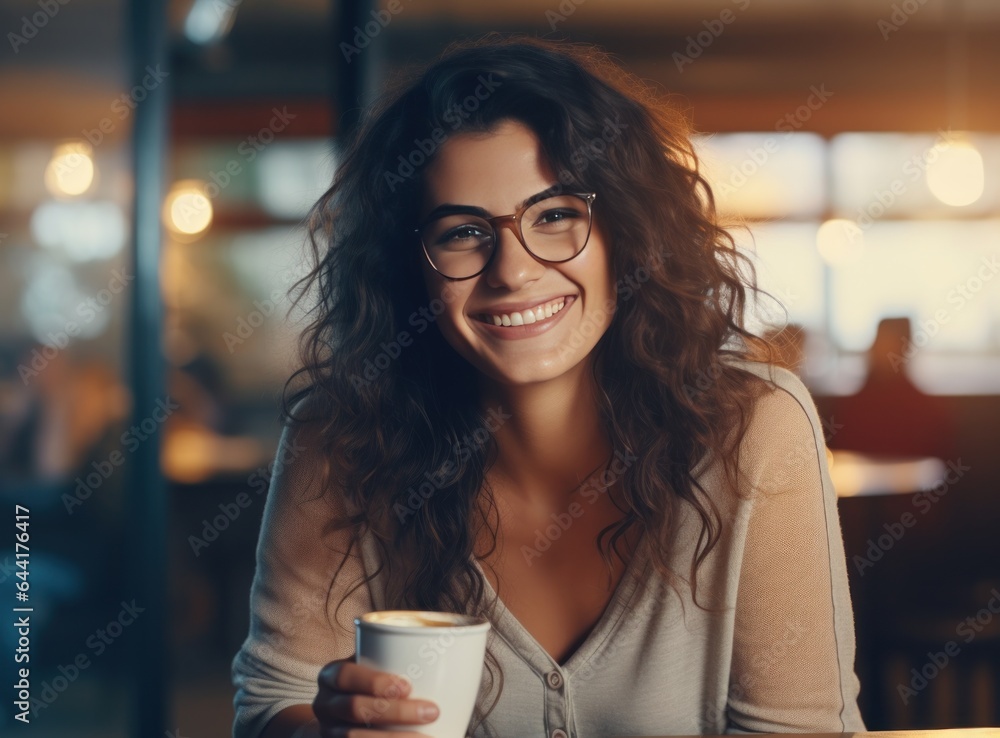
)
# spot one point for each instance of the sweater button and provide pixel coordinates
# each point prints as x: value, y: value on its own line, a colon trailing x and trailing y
x: 555, y: 680
x: 558, y: 733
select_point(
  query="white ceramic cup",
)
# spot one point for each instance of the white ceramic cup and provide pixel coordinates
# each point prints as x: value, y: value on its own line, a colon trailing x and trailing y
x: 440, y: 653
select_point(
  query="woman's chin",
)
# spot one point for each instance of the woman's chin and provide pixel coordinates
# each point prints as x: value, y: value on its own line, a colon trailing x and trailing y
x: 527, y: 373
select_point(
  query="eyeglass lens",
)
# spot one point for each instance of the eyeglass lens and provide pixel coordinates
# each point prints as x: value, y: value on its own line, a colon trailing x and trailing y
x: 554, y: 229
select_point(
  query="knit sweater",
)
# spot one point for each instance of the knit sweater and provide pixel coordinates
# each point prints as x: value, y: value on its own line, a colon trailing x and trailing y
x: 774, y: 653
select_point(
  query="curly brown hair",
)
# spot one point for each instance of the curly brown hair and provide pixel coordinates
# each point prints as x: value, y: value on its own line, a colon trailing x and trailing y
x: 390, y: 415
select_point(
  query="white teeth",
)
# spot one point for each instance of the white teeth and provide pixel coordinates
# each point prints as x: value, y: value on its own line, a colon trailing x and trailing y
x: 527, y: 317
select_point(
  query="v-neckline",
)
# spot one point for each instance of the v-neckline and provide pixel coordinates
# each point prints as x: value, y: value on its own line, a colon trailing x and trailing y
x: 520, y: 639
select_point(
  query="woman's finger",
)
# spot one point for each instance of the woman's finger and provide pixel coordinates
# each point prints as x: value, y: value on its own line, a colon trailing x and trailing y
x: 371, y: 711
x: 347, y: 676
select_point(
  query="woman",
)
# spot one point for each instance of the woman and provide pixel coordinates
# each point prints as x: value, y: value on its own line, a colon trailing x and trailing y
x: 527, y: 392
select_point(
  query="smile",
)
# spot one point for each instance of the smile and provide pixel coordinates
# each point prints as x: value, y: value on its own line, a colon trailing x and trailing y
x: 536, y: 314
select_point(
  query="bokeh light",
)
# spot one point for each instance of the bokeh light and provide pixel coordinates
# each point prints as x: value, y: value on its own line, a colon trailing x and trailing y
x: 840, y: 241
x: 83, y: 230
x: 71, y: 170
x: 955, y: 176
x: 188, y: 209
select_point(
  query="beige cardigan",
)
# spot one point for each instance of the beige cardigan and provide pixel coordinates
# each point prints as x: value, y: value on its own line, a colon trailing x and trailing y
x: 778, y: 657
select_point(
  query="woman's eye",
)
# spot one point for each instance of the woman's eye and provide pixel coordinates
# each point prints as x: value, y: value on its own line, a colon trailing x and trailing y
x: 464, y: 237
x: 554, y: 216
x: 464, y: 232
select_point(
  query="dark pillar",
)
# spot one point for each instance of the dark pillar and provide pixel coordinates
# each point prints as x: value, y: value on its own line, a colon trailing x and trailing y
x: 355, y: 74
x: 146, y: 507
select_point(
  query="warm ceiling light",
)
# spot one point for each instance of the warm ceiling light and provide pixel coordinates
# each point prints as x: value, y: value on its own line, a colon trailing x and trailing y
x: 955, y: 173
x: 188, y: 209
x: 840, y: 241
x: 71, y: 169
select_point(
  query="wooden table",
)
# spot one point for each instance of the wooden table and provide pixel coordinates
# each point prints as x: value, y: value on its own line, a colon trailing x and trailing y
x: 950, y: 733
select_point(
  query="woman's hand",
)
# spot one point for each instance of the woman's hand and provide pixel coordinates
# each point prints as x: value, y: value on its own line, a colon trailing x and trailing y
x: 354, y: 700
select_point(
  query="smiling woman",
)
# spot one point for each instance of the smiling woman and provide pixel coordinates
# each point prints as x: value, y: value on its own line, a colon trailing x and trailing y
x: 657, y: 552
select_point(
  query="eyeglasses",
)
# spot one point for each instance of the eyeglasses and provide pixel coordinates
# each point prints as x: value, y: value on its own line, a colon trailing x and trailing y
x: 460, y: 242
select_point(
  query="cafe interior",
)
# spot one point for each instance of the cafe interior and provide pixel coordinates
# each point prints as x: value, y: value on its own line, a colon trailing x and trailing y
x: 157, y: 162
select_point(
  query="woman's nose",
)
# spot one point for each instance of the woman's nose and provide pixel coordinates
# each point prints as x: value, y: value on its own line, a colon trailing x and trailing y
x: 513, y: 266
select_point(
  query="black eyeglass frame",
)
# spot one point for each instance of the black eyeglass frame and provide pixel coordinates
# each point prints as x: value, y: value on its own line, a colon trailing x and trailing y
x: 513, y: 223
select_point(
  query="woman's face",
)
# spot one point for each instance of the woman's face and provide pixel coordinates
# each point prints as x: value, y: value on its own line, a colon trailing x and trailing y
x: 497, y: 171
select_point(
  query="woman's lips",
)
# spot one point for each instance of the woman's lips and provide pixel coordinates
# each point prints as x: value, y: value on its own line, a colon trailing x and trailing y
x: 536, y: 314
x: 526, y: 330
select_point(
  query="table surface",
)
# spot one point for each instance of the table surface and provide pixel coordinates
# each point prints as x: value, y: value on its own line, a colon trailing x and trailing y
x: 944, y: 733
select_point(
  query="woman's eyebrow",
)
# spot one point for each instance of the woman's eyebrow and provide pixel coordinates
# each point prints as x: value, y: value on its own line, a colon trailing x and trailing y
x: 452, y: 209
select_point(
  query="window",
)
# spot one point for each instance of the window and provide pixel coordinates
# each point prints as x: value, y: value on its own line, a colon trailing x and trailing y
x: 853, y: 229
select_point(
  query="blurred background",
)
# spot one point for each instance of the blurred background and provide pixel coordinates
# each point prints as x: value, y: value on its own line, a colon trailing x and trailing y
x: 853, y: 144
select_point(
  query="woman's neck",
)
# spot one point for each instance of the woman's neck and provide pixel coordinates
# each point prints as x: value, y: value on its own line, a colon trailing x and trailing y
x: 553, y: 438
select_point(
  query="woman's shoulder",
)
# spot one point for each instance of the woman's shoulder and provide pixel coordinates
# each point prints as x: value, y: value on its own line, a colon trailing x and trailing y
x: 784, y: 431
x: 782, y: 393
x: 301, y: 474
x: 774, y: 376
